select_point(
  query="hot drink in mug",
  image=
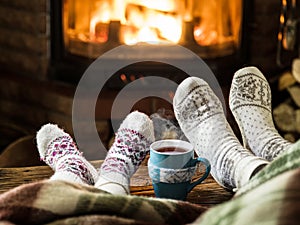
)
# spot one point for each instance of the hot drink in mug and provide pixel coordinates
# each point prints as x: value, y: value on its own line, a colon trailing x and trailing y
x: 172, y: 166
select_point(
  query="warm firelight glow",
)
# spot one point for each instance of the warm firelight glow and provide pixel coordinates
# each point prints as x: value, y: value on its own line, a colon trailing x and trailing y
x: 151, y: 26
x: 151, y: 21
x: 161, y: 5
x: 205, y: 37
x: 282, y: 19
x: 123, y: 78
x: 100, y: 16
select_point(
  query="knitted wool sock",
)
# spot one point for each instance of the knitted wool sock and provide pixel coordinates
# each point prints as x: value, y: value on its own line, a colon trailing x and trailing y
x: 250, y: 103
x: 129, y: 149
x: 58, y: 150
x: 201, y: 117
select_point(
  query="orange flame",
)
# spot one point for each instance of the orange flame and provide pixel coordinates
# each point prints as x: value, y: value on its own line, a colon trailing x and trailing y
x: 161, y: 21
x: 154, y: 21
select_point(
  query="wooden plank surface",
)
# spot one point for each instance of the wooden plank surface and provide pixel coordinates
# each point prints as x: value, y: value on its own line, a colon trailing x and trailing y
x: 208, y: 193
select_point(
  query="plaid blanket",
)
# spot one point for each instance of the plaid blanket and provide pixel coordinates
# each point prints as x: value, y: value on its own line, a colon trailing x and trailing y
x: 272, y: 197
x: 58, y: 202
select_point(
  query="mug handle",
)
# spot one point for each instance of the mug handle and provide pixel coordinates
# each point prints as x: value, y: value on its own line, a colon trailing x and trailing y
x: 205, y: 175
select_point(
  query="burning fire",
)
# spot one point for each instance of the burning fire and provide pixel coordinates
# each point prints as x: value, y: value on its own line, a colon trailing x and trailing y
x: 145, y: 24
x: 100, y: 16
x: 155, y: 21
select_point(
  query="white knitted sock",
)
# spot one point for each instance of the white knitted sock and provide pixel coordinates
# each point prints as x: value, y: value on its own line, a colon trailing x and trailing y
x: 250, y: 103
x: 58, y: 150
x: 129, y: 149
x: 201, y: 117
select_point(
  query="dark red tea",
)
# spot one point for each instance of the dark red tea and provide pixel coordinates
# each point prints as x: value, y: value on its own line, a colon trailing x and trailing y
x: 171, y: 150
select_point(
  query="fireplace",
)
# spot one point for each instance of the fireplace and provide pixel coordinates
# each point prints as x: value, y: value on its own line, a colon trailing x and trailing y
x: 38, y: 40
x: 95, y: 26
x: 84, y: 30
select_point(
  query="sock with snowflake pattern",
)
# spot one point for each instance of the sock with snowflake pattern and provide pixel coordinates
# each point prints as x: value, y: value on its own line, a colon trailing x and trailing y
x: 250, y: 103
x: 202, y: 119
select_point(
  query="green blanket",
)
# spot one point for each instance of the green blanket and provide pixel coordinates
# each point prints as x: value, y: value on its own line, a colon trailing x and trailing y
x: 272, y: 197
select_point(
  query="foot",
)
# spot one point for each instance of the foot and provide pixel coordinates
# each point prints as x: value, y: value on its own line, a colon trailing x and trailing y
x: 250, y: 103
x: 58, y: 150
x: 201, y: 117
x: 129, y: 149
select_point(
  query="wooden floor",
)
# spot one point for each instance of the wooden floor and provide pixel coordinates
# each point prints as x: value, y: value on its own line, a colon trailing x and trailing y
x: 209, y: 193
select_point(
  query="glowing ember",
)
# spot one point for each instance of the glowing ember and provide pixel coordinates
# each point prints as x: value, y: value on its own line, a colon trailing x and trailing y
x: 205, y: 37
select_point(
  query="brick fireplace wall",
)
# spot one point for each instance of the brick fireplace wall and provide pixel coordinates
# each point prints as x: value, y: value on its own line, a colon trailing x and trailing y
x: 25, y: 37
x: 30, y: 98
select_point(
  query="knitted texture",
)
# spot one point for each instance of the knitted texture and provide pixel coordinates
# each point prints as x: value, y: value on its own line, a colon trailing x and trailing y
x: 61, y: 154
x: 129, y: 149
x: 250, y: 103
x: 201, y: 117
x: 167, y: 175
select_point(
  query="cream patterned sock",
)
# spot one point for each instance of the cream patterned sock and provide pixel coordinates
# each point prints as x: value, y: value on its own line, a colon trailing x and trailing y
x: 129, y: 149
x: 58, y: 150
x: 250, y: 103
x: 201, y: 117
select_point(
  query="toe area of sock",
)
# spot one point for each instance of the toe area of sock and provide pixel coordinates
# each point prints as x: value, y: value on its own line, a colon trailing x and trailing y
x: 139, y: 122
x: 45, y: 135
x: 185, y: 86
x: 249, y: 71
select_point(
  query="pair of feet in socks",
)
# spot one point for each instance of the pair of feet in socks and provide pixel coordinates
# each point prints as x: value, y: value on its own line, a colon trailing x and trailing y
x: 201, y: 118
x: 132, y: 141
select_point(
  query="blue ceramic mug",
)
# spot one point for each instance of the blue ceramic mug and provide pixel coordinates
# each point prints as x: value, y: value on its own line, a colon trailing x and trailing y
x: 171, y: 167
